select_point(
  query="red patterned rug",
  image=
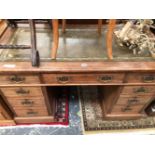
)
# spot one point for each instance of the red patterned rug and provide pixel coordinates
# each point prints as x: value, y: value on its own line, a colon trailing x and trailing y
x: 61, y: 115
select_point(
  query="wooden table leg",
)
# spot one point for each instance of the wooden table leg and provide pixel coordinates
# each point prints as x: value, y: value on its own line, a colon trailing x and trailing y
x: 55, y: 24
x: 63, y: 25
x: 99, y: 26
x: 111, y: 27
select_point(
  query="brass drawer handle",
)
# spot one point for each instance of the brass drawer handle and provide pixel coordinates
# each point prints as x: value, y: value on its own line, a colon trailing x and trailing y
x: 22, y: 91
x: 148, y: 78
x: 140, y: 90
x: 32, y: 113
x: 126, y: 109
x: 27, y: 102
x: 133, y: 101
x: 17, y: 79
x: 105, y: 78
x: 63, y: 79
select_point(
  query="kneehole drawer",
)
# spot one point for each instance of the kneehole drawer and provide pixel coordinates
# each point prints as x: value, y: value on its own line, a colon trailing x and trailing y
x: 83, y: 78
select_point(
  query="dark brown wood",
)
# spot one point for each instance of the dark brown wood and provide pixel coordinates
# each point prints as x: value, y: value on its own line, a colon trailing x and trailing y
x: 64, y: 25
x: 100, y: 26
x: 83, y: 78
x: 33, y: 34
x: 35, y: 59
x: 64, y: 22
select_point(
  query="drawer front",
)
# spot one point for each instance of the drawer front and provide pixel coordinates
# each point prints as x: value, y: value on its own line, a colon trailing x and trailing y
x: 124, y: 100
x: 138, y: 90
x: 31, y: 112
x: 140, y: 78
x: 19, y: 79
x: 22, y: 91
x: 83, y: 78
x: 26, y: 102
x: 127, y: 109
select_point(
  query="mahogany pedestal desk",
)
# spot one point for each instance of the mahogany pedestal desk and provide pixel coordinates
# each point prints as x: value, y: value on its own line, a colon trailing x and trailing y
x: 126, y: 84
x: 125, y: 88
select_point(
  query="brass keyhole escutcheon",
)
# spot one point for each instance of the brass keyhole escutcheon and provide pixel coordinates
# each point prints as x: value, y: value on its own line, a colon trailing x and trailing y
x: 22, y: 91
x: 132, y: 101
x: 31, y: 112
x: 17, y: 79
x: 148, y: 78
x: 105, y: 78
x: 27, y: 102
x: 140, y: 90
x: 63, y: 79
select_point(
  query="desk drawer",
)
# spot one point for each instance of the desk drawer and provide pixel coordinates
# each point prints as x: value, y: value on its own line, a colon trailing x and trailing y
x: 22, y: 91
x: 26, y: 102
x: 127, y: 109
x: 83, y: 78
x: 138, y: 90
x: 19, y: 79
x: 31, y: 112
x: 140, y: 78
x: 134, y: 100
